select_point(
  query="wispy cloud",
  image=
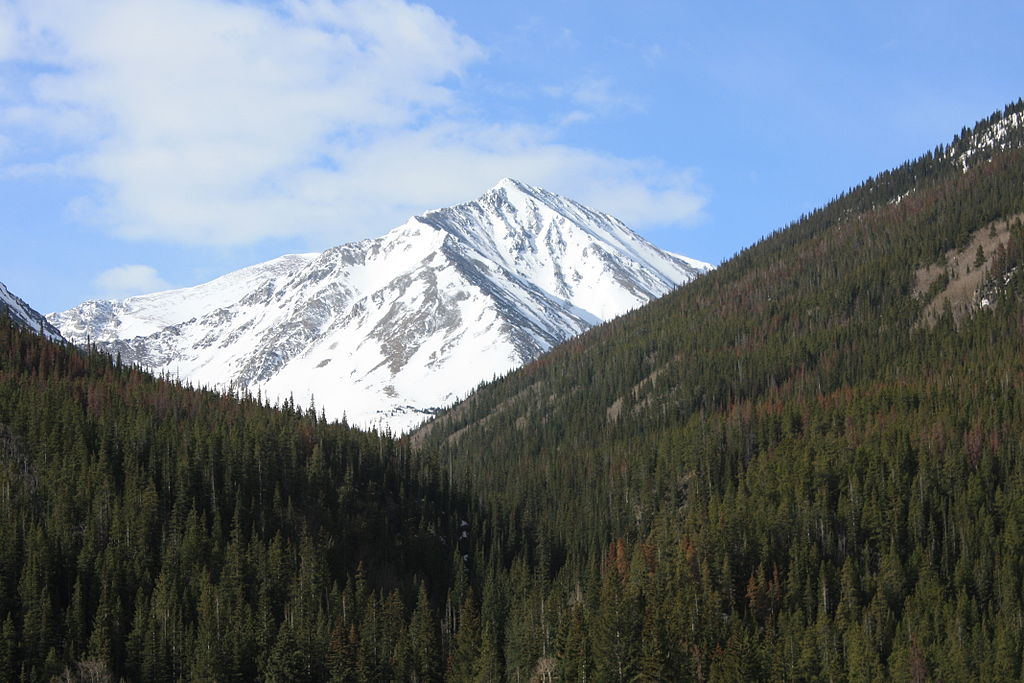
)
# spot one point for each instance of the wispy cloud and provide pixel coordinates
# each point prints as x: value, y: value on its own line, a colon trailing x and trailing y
x: 215, y: 122
x: 124, y: 281
x: 591, y: 98
x: 461, y: 157
x: 653, y: 54
x: 594, y: 94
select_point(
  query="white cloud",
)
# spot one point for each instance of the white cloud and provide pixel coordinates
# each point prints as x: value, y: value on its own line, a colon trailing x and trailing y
x: 214, y: 122
x: 8, y: 32
x: 592, y: 95
x: 392, y: 178
x: 123, y: 281
x: 596, y: 92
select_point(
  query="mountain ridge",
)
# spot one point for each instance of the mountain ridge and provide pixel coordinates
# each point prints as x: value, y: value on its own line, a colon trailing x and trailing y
x: 834, y: 491
x: 386, y: 330
x: 791, y: 469
x: 740, y: 306
x: 24, y: 315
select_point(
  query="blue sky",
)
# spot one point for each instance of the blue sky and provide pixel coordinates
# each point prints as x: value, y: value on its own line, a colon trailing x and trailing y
x: 146, y: 144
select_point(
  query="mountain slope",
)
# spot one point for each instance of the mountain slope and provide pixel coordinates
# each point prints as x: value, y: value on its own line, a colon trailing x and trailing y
x: 24, y: 315
x: 116, y: 563
x: 795, y: 468
x: 388, y: 329
x: 140, y: 316
x: 804, y: 285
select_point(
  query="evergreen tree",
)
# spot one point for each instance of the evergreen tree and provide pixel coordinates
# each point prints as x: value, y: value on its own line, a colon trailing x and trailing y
x: 466, y: 649
x: 423, y: 640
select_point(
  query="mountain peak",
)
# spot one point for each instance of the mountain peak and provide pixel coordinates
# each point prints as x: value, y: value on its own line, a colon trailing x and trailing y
x: 386, y: 330
x: 582, y: 256
x: 516, y: 191
x: 511, y: 184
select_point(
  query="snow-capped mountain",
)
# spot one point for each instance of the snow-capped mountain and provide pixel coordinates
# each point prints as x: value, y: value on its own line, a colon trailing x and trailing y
x: 386, y: 330
x: 22, y: 314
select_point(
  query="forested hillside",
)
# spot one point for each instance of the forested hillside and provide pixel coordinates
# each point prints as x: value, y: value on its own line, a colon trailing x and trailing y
x: 806, y: 465
x: 160, y: 533
x: 792, y: 468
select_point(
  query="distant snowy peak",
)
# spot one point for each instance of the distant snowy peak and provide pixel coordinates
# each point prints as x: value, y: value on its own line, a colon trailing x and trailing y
x: 587, y: 258
x: 387, y: 330
x: 22, y: 314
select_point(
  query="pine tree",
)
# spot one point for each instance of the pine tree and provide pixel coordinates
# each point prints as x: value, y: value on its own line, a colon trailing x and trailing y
x: 574, y: 653
x: 209, y: 649
x: 8, y: 650
x: 423, y: 640
x: 616, y: 632
x: 654, y: 664
x: 286, y: 663
x: 466, y: 649
x: 488, y: 663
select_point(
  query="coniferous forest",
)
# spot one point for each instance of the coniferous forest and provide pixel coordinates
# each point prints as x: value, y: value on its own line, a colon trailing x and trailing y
x: 805, y: 465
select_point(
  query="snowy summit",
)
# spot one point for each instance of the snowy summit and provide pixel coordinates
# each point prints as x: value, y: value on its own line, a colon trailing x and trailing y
x: 387, y: 330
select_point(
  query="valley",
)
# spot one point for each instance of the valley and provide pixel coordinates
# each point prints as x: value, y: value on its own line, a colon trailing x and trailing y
x: 804, y: 464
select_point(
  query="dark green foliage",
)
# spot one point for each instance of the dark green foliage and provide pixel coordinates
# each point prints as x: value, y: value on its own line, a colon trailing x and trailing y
x: 488, y: 664
x: 799, y: 476
x: 466, y: 650
x: 781, y: 471
x: 424, y: 648
x: 979, y: 257
x: 161, y: 533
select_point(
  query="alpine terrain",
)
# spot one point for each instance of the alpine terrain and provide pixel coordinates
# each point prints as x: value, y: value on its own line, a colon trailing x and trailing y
x: 24, y: 315
x: 807, y: 465
x: 387, y: 330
